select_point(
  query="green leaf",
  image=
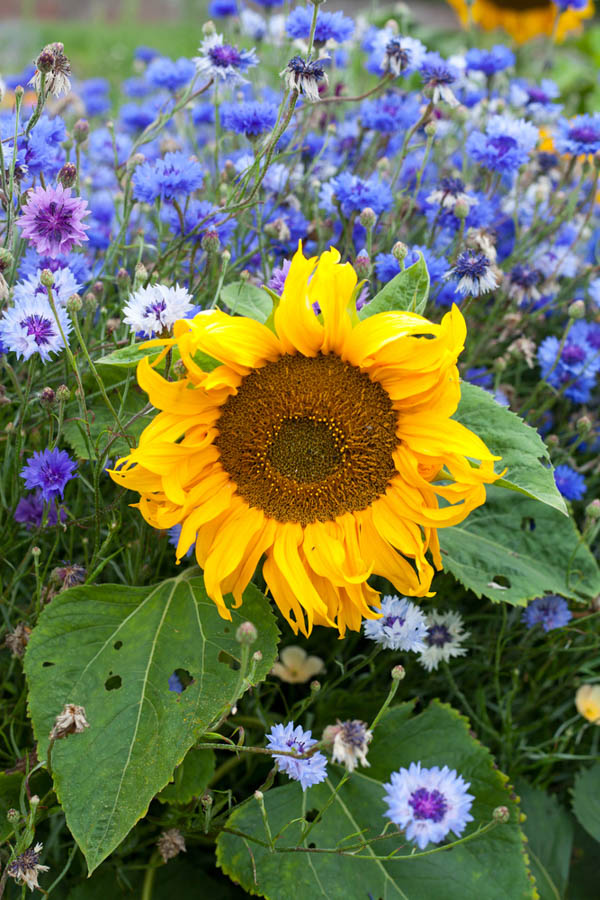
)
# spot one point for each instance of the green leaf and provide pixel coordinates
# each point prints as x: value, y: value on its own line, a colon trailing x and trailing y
x: 515, y: 549
x: 586, y: 800
x: 191, y: 778
x: 10, y: 792
x: 523, y: 452
x: 112, y: 649
x: 549, y: 831
x: 128, y: 357
x: 103, y: 428
x: 583, y: 876
x: 491, y: 866
x: 408, y: 290
x: 247, y: 300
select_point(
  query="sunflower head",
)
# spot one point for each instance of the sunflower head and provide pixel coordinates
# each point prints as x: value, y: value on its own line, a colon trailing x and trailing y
x: 523, y: 19
x: 321, y: 445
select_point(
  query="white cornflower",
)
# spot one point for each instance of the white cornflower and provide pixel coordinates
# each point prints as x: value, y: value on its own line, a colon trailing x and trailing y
x: 402, y: 625
x: 350, y: 742
x: 295, y: 666
x: 444, y: 638
x: 223, y: 62
x: 24, y: 869
x: 156, y: 308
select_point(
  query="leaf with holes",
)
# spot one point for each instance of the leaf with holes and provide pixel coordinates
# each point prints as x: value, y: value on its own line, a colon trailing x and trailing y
x: 408, y: 290
x: 586, y: 800
x: 524, y: 454
x: 113, y: 649
x: 491, y: 866
x: 515, y: 549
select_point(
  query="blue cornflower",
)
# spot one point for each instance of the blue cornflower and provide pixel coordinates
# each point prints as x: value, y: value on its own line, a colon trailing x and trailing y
x: 474, y: 273
x: 63, y: 286
x: 29, y: 327
x: 175, y: 684
x: 95, y: 93
x: 438, y: 75
x: 331, y: 26
x: 31, y: 262
x: 578, y: 365
x: 354, y: 193
x: 170, y: 74
x: 549, y: 612
x: 137, y: 116
x: 309, y: 771
x: 579, y: 136
x: 249, y: 118
x: 489, y: 61
x: 253, y: 24
x: 276, y: 282
x: 136, y: 87
x: 31, y: 509
x: 505, y: 145
x: 390, y: 113
x: 220, y: 9
x: 402, y: 625
x: 569, y: 482
x: 479, y: 375
x: 269, y: 4
x: 176, y: 173
x: 428, y: 803
x: 174, y: 534
x: 145, y: 54
x: 396, y: 54
x: 224, y: 62
x: 50, y: 471
x: 570, y: 4
x: 386, y: 267
x: 196, y: 212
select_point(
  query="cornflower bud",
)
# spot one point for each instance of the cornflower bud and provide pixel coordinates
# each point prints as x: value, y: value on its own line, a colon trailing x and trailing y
x: 45, y: 61
x: 12, y: 816
x: 501, y: 814
x: 592, y: 510
x: 315, y: 687
x: 134, y: 161
x: 210, y: 242
x: 461, y: 209
x: 6, y: 259
x: 63, y: 393
x: 246, y: 633
x: 47, y: 278
x: 123, y: 281
x: 400, y: 251
x: 47, y: 398
x: 81, y: 130
x: 431, y: 128
x: 398, y: 673
x: 209, y: 28
x: 576, y: 309
x: 74, y: 304
x: 362, y: 265
x: 367, y: 218
x: 68, y: 175
x: 584, y: 425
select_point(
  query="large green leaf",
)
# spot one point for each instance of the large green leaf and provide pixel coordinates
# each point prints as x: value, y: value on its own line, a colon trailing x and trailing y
x: 523, y: 452
x: 128, y: 357
x: 247, y: 300
x: 112, y: 650
x: 408, y: 290
x: 586, y: 800
x: 191, y: 778
x: 549, y: 831
x: 515, y: 549
x: 491, y: 866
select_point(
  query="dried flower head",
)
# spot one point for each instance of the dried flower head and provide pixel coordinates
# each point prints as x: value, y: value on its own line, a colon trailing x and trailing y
x: 52, y: 63
x: 304, y: 76
x: 16, y: 640
x: 350, y: 742
x: 71, y: 720
x: 170, y: 844
x: 24, y: 869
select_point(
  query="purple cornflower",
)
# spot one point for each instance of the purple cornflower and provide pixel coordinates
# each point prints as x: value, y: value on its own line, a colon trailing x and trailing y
x: 505, y: 145
x: 170, y: 74
x: 50, y: 471
x: 474, y: 273
x: 428, y: 803
x: 331, y: 26
x: 305, y: 77
x: 30, y: 327
x: 276, y: 282
x: 52, y: 220
x: 223, y: 62
x: 309, y: 771
x: 569, y: 482
x: 578, y: 365
x: 579, y: 136
x: 250, y: 118
x: 30, y: 511
x: 402, y: 625
x: 438, y: 75
x: 489, y: 61
x: 175, y: 174
x: 550, y: 612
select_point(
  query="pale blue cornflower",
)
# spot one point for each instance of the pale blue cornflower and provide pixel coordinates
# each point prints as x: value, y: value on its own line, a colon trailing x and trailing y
x: 402, y: 625
x: 155, y: 308
x: 30, y: 327
x: 309, y: 771
x: 224, y: 62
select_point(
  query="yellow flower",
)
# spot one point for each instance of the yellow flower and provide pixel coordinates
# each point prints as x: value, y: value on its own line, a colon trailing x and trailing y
x: 523, y: 19
x: 322, y: 445
x: 587, y: 701
x: 295, y: 665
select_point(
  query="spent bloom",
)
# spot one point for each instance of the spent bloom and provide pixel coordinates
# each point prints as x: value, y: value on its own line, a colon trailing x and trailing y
x: 295, y: 666
x: 449, y: 192
x: 52, y: 220
x: 71, y: 720
x: 50, y: 471
x: 224, y: 62
x: 474, y: 273
x: 438, y: 75
x: 53, y: 63
x: 30, y: 327
x: 399, y: 55
x: 156, y: 308
x: 402, y: 625
x: 550, y: 612
x: 350, y: 742
x: 24, y: 869
x: 304, y: 76
x: 309, y: 771
x: 444, y: 639
x: 428, y: 803
x: 587, y: 701
x: 170, y: 843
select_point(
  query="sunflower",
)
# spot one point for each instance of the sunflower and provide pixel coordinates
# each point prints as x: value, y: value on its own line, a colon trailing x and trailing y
x: 321, y: 444
x: 523, y: 19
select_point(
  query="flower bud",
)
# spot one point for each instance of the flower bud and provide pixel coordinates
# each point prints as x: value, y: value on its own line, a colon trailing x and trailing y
x: 134, y: 161
x: 6, y: 259
x: 592, y: 510
x: 123, y: 280
x: 362, y: 265
x: 431, y: 128
x: 45, y: 61
x: 209, y: 28
x: 576, y: 309
x: 12, y: 816
x: 367, y: 217
x: 210, y: 242
x: 68, y: 175
x: 19, y: 92
x: 501, y: 814
x: 258, y: 795
x: 398, y: 673
x: 206, y: 800
x: 552, y: 440
x: 140, y: 276
x: 35, y: 552
x: 47, y: 278
x: 90, y: 302
x: 584, y: 425
x: 63, y: 393
x: 257, y: 656
x: 400, y: 251
x: 34, y: 800
x: 81, y: 130
x: 246, y: 633
x: 74, y: 304
x: 47, y: 398
x: 461, y: 209
x: 315, y: 687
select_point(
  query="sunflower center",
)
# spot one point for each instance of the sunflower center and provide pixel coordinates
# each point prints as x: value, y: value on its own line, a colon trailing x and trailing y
x: 308, y: 439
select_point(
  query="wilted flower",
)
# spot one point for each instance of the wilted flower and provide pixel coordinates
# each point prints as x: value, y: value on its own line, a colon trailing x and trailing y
x: 350, y: 742
x: 474, y: 273
x: 171, y: 843
x: 53, y: 63
x: 17, y: 640
x: 71, y: 720
x: 295, y: 666
x: 443, y: 641
x: 587, y: 701
x: 304, y: 76
x: 24, y: 869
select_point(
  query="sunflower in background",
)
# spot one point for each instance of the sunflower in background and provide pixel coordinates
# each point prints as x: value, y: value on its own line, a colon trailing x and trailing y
x: 321, y: 444
x: 526, y: 19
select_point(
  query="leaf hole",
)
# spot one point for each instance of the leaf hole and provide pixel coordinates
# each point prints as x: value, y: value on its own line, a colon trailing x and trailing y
x: 311, y: 815
x: 502, y: 581
x: 229, y: 660
x: 118, y: 645
x: 527, y: 523
x: 47, y: 665
x: 311, y: 846
x: 180, y: 680
x: 113, y: 683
